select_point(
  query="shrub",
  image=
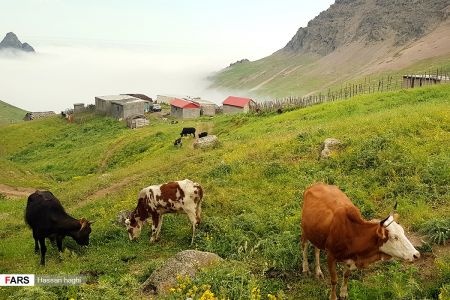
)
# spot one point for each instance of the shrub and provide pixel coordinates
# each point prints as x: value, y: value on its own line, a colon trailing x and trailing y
x: 437, y: 230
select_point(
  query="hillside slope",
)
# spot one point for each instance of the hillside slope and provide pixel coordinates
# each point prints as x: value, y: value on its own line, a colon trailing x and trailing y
x: 10, y: 114
x: 395, y: 149
x: 350, y: 40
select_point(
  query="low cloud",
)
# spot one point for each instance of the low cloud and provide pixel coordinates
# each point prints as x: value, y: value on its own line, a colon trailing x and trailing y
x: 57, y: 76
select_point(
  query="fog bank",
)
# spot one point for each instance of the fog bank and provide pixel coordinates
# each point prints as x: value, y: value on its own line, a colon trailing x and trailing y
x: 57, y: 76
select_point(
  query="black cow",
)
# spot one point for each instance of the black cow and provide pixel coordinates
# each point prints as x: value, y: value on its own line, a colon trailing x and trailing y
x: 188, y: 130
x: 48, y: 219
x: 203, y: 134
x: 178, y: 142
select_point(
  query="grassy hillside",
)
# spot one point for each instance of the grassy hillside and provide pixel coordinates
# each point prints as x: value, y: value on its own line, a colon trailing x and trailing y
x: 10, y: 114
x: 395, y: 149
x: 283, y: 75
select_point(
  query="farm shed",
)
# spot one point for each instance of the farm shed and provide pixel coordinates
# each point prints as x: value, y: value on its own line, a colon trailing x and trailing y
x: 183, y: 109
x: 38, y: 115
x: 126, y: 109
x: 147, y: 105
x: 411, y: 81
x: 233, y: 105
x: 207, y: 108
x: 120, y: 106
x: 137, y: 121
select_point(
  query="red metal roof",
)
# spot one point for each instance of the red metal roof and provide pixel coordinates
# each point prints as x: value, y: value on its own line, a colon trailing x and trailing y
x: 236, y: 101
x: 183, y: 103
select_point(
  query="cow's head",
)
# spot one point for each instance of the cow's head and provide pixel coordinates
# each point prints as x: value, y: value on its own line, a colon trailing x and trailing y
x: 396, y: 244
x: 134, y: 227
x: 82, y: 235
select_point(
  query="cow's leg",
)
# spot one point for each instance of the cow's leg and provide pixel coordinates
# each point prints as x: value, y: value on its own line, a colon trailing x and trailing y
x: 59, y: 240
x: 305, y: 255
x: 36, y: 245
x: 192, y: 215
x: 158, y: 228
x: 344, y: 287
x: 318, y: 271
x: 43, y: 250
x: 333, y: 275
x: 198, y: 212
x: 155, y: 225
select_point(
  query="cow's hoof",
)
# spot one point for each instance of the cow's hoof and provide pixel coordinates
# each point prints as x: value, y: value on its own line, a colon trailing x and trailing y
x: 319, y: 275
x: 306, y: 273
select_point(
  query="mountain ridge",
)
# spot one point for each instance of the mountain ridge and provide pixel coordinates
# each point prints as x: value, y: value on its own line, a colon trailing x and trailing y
x: 348, y: 42
x: 11, y: 41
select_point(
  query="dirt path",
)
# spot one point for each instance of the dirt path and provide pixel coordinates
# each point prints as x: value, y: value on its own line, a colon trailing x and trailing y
x: 16, y: 191
x: 109, y: 154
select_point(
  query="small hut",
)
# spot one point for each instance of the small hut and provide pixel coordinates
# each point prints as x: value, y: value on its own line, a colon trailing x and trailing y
x: 78, y: 107
x: 183, y: 109
x: 120, y: 106
x: 137, y: 121
x: 234, y: 105
x: 207, y: 108
x: 411, y: 81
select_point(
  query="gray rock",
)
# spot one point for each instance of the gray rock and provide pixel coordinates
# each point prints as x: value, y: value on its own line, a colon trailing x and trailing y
x: 11, y: 41
x: 187, y: 262
x: 328, y: 146
x: 206, y: 142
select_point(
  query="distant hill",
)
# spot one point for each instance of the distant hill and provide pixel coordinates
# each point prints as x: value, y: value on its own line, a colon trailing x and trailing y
x: 11, y: 41
x: 10, y: 114
x: 350, y: 40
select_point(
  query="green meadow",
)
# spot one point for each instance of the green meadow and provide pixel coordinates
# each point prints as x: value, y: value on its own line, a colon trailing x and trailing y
x: 395, y: 147
x: 10, y: 114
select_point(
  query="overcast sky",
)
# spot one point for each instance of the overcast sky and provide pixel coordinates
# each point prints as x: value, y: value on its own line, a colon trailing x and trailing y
x: 79, y: 42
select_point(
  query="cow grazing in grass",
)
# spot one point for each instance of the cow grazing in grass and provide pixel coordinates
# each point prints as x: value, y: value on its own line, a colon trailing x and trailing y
x: 203, y: 134
x: 331, y: 222
x: 48, y: 219
x: 154, y: 201
x: 178, y: 142
x: 188, y: 130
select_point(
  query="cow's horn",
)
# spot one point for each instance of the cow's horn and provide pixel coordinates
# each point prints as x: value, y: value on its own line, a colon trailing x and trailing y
x: 83, y: 223
x: 91, y: 222
x: 384, y: 220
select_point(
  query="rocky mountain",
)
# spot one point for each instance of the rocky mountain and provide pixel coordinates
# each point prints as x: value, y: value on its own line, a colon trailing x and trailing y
x: 349, y: 41
x: 370, y: 21
x: 11, y: 41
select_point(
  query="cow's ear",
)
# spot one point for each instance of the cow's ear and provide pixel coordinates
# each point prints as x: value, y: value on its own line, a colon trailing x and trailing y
x: 396, y: 217
x: 381, y: 232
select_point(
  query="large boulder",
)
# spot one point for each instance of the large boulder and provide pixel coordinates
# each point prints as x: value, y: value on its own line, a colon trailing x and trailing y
x: 187, y: 262
x: 328, y: 146
x: 209, y: 141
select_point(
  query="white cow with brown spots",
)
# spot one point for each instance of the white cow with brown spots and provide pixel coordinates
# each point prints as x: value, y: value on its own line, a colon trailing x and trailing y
x: 183, y: 196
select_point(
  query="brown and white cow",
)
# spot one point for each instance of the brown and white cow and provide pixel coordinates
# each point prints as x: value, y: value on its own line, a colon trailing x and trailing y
x: 154, y: 201
x: 331, y: 222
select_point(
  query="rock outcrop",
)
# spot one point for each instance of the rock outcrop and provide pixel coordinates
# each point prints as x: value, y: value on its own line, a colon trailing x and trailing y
x: 187, y: 262
x: 328, y: 146
x: 368, y: 21
x: 209, y: 141
x: 11, y: 41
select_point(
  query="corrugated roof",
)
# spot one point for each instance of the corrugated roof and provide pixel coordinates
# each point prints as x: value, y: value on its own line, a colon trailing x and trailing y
x: 237, y: 101
x: 183, y: 104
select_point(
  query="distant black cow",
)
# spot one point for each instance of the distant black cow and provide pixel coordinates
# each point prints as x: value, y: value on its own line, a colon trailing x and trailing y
x: 178, y: 142
x: 188, y: 130
x: 48, y: 219
x: 203, y: 134
x: 279, y: 111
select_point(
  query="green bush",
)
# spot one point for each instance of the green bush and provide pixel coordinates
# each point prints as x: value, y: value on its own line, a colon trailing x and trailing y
x: 437, y: 230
